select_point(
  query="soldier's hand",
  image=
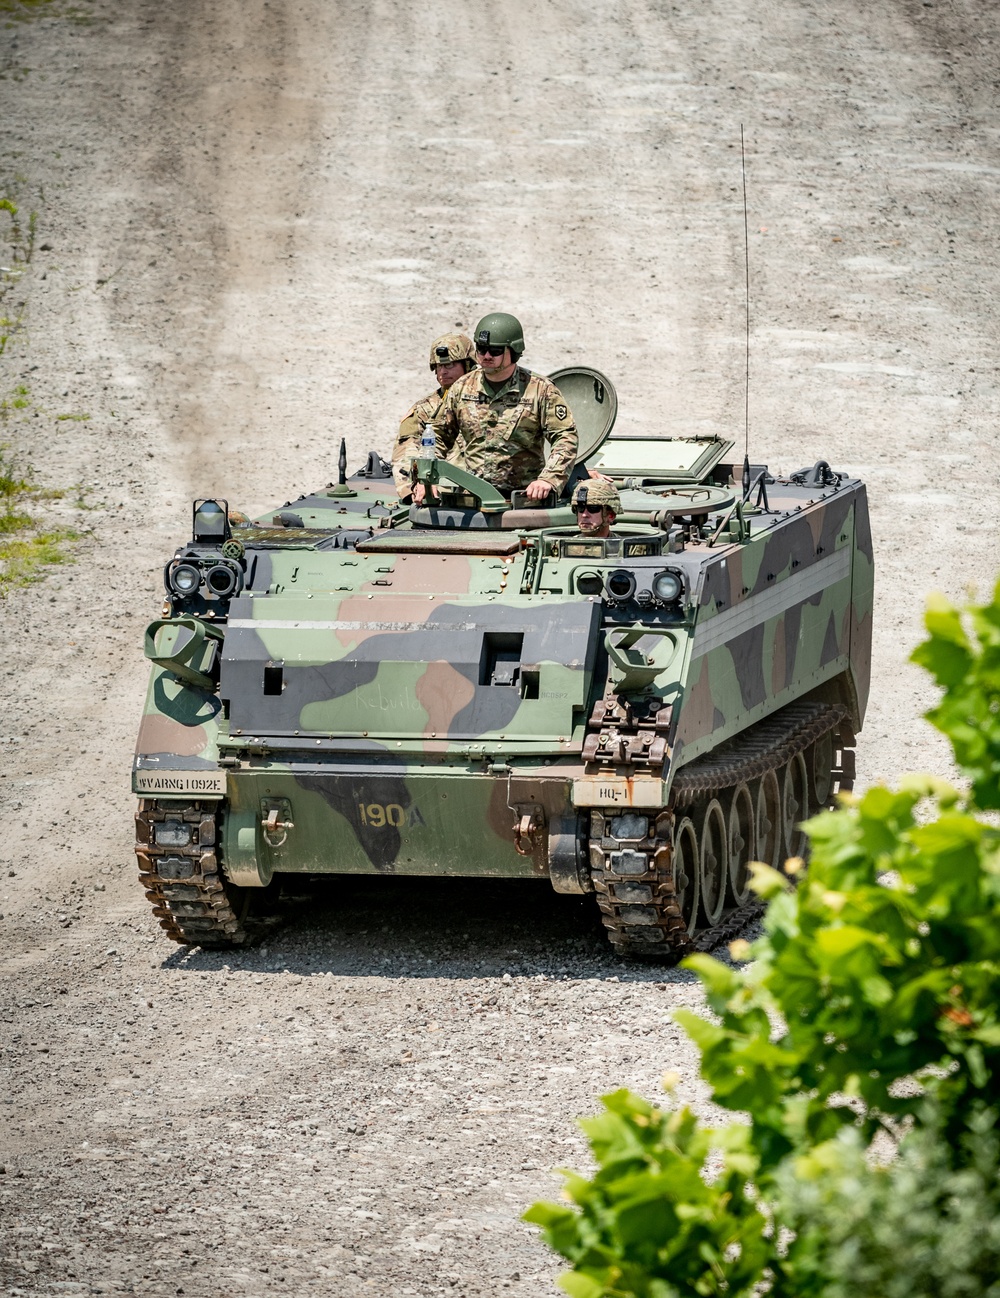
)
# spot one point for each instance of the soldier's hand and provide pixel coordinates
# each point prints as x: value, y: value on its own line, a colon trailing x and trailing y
x: 538, y: 490
x: 419, y: 491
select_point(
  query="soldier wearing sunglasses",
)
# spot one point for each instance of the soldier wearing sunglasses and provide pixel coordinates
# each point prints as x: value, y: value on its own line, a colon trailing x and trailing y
x: 596, y: 503
x: 496, y: 419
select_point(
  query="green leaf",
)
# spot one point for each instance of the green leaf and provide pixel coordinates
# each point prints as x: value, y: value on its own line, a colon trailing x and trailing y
x: 578, y: 1285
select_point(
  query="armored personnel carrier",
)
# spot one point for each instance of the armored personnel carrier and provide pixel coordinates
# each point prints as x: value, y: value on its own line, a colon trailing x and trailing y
x: 348, y: 685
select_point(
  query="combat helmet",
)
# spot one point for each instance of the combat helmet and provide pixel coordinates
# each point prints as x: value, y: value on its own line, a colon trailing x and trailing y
x: 596, y: 491
x: 498, y: 329
x: 452, y: 347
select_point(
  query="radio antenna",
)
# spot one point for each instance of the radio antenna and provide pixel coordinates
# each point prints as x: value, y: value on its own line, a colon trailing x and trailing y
x: 746, y: 262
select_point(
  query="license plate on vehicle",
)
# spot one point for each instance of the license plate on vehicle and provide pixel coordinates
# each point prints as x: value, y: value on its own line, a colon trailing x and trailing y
x: 167, y: 782
x: 617, y: 791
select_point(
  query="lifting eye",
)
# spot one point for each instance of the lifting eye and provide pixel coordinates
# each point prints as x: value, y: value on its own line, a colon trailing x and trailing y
x: 621, y: 584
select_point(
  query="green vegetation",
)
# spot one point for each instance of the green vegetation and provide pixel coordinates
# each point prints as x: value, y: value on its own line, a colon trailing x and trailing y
x: 24, y: 11
x: 29, y: 542
x: 26, y: 547
x: 864, y: 1045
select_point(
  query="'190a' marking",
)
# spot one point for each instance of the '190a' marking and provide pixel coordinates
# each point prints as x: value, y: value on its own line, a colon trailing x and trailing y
x: 377, y: 815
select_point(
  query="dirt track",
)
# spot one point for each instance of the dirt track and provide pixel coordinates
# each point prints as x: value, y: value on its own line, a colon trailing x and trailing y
x: 252, y: 218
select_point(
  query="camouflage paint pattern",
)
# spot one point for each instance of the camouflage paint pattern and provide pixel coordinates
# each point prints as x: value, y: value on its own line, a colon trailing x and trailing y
x: 409, y: 693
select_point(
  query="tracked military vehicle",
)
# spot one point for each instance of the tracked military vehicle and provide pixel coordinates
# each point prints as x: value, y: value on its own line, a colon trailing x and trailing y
x: 348, y: 685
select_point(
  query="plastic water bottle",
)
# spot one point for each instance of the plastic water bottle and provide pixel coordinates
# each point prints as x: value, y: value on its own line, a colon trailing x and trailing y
x: 428, y: 446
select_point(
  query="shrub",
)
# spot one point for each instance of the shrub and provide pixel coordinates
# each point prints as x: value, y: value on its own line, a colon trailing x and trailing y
x: 882, y: 974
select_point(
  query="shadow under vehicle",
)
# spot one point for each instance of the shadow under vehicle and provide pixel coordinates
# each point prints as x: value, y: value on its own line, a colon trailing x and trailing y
x: 348, y: 685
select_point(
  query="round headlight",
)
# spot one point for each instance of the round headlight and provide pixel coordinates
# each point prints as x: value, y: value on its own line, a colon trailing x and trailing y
x: 222, y: 580
x: 589, y: 583
x: 667, y: 586
x: 185, y: 579
x: 621, y: 584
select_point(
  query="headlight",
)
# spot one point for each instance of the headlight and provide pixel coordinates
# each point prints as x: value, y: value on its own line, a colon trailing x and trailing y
x: 621, y: 584
x: 222, y: 579
x: 667, y: 586
x: 185, y: 579
x: 589, y: 583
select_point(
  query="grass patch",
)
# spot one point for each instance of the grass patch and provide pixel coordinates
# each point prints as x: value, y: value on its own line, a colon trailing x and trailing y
x: 78, y: 418
x: 25, y: 11
x: 12, y: 521
x: 12, y: 485
x: 27, y: 547
x: 22, y: 561
x: 19, y: 399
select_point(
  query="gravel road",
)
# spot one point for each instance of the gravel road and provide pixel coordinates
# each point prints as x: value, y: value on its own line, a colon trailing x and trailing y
x: 252, y: 218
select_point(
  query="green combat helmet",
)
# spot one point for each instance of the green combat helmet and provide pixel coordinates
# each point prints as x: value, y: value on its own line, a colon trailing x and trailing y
x: 498, y: 329
x: 595, y: 491
x: 450, y: 348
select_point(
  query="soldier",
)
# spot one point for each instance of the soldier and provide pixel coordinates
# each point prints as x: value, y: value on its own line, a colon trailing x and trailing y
x: 451, y: 357
x: 596, y: 503
x: 495, y: 420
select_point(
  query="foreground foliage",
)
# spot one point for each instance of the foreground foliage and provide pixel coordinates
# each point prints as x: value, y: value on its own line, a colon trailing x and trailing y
x: 864, y: 1044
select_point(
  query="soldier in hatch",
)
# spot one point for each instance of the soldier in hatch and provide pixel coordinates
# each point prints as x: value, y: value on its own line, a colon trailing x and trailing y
x: 451, y: 357
x: 596, y: 503
x: 496, y: 419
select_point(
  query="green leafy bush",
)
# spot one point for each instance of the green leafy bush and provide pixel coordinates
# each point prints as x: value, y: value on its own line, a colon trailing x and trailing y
x: 868, y: 1022
x: 925, y: 1226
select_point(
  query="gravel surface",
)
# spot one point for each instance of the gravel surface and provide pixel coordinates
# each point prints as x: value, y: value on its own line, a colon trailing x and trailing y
x: 252, y: 217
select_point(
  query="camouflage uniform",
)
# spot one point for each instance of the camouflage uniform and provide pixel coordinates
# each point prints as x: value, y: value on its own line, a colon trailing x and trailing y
x: 502, y: 437
x: 411, y: 430
x: 445, y: 350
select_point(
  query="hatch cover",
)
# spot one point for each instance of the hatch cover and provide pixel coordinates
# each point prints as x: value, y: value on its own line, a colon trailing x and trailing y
x: 592, y: 398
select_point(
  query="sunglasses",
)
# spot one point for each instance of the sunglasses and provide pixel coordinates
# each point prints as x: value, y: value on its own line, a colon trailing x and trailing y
x: 587, y: 509
x: 490, y: 351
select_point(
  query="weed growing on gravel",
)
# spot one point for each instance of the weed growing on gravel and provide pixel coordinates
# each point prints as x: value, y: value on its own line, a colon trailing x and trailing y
x: 20, y: 237
x: 17, y: 246
x: 23, y: 557
x: 24, y: 11
x: 9, y: 325
x: 19, y: 399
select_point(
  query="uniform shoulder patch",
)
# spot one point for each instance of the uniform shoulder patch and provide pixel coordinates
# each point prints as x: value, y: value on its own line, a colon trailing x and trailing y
x: 562, y: 411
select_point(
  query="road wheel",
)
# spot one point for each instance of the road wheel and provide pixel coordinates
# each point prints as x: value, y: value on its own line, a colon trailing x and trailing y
x: 819, y: 762
x: 741, y: 842
x: 686, y: 870
x: 767, y: 819
x: 794, y: 806
x: 713, y: 861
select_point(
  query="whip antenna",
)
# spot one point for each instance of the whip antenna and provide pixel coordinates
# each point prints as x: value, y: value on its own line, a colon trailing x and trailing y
x: 746, y: 261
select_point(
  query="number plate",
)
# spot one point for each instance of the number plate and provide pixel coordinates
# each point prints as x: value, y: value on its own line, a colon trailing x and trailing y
x: 617, y: 791
x: 203, y: 783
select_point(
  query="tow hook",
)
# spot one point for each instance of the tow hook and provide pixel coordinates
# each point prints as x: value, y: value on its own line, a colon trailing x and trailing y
x: 526, y: 827
x: 275, y: 828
